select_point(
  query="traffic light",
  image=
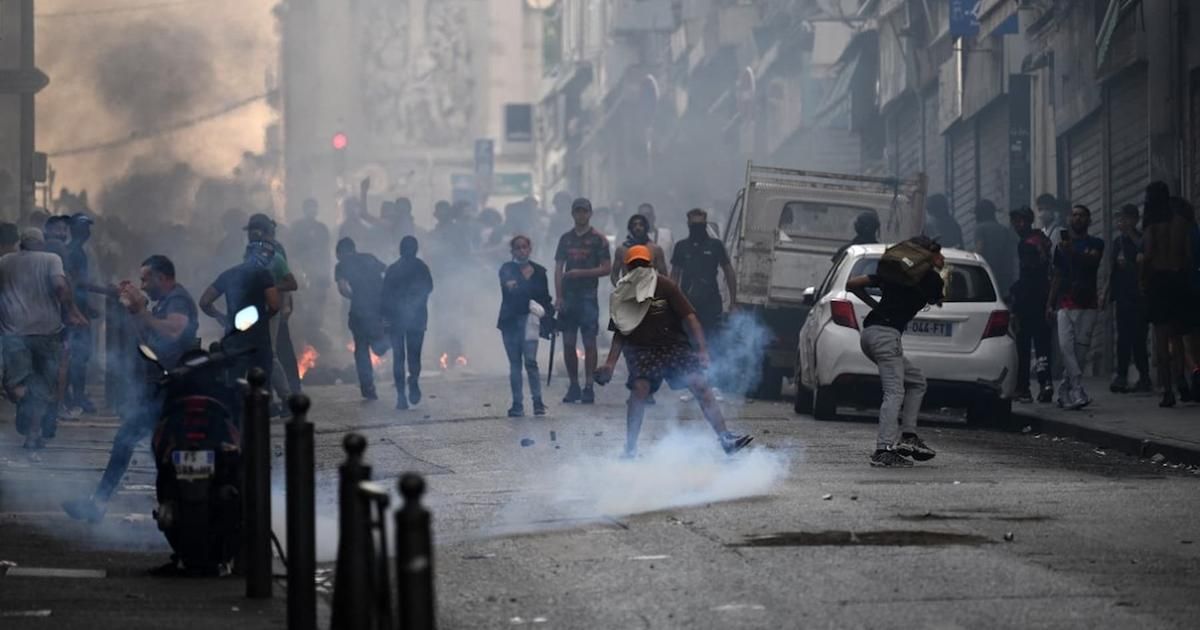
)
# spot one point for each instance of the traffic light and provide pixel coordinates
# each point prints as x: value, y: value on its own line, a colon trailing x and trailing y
x: 340, y: 141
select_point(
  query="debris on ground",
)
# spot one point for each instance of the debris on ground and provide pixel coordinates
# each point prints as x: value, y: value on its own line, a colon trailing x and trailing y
x: 1008, y: 536
x: 1158, y: 458
x: 1099, y: 452
x: 1027, y: 429
x: 553, y: 436
x: 526, y: 442
x: 826, y: 497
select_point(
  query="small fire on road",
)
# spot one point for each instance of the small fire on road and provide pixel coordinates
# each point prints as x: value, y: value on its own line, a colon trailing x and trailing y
x: 376, y: 360
x: 308, y: 360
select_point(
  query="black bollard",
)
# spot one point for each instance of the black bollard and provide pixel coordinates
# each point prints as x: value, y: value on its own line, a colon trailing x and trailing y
x: 301, y: 519
x: 256, y: 491
x: 376, y: 500
x: 414, y: 558
x: 352, y: 578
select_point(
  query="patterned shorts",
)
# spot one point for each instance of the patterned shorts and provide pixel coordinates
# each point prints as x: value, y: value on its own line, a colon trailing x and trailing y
x: 673, y: 364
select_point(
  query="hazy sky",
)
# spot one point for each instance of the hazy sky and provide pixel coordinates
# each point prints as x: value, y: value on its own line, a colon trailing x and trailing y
x: 129, y: 67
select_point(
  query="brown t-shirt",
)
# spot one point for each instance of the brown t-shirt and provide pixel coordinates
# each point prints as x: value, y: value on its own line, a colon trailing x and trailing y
x: 663, y: 324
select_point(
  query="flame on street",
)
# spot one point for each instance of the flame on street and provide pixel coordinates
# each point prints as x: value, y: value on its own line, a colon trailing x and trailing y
x: 445, y: 362
x: 307, y: 360
x: 376, y: 360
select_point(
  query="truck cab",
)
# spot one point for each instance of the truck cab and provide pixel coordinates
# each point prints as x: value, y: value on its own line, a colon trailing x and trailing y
x: 782, y: 233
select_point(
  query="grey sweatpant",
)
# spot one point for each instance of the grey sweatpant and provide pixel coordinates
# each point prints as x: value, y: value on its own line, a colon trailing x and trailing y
x: 1075, y: 328
x: 903, y: 384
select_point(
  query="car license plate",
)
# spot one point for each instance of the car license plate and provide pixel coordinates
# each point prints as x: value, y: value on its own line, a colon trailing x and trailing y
x: 930, y: 328
x: 193, y: 464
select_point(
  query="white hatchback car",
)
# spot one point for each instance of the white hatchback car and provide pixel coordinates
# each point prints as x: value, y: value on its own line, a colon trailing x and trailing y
x: 964, y: 347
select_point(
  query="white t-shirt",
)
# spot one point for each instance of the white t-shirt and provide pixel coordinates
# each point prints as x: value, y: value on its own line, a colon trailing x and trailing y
x: 28, y: 302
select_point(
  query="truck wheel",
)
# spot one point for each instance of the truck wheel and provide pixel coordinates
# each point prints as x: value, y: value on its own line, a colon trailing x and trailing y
x: 990, y: 412
x: 804, y: 399
x: 824, y: 404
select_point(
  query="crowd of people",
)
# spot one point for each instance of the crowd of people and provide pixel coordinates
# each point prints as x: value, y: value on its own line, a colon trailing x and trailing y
x: 1049, y: 267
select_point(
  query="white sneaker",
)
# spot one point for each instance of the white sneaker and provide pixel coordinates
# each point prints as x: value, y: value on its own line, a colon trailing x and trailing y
x: 717, y: 395
x: 688, y: 397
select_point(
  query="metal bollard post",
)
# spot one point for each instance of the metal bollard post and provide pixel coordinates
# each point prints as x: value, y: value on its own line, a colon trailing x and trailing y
x: 351, y: 597
x: 376, y: 500
x: 301, y: 519
x: 414, y: 558
x: 256, y: 490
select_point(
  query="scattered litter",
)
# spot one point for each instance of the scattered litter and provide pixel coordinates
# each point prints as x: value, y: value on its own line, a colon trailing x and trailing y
x: 426, y: 416
x: 1008, y: 536
x: 598, y: 433
x: 654, y: 557
x: 7, y: 564
x: 1185, y: 542
x: 1038, y: 436
x: 25, y: 613
x: 516, y: 620
x: 1027, y: 429
x: 826, y: 497
x: 957, y: 483
x: 487, y: 404
x: 854, y: 497
x: 235, y: 609
x: 135, y: 518
x: 1099, y: 452
x: 553, y: 436
x: 526, y: 442
x: 479, y: 556
x: 1158, y: 458
x: 557, y: 447
x: 138, y: 487
x: 765, y: 431
x: 539, y: 620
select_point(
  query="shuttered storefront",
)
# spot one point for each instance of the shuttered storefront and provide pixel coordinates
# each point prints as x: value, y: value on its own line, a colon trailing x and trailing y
x: 1128, y: 145
x: 993, y: 155
x: 964, y: 177
x: 935, y: 144
x: 1085, y: 164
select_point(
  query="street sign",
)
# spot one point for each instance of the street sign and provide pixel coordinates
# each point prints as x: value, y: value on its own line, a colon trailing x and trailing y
x: 507, y: 184
x: 964, y: 19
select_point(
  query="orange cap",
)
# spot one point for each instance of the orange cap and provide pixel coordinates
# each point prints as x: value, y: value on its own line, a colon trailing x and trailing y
x: 638, y: 252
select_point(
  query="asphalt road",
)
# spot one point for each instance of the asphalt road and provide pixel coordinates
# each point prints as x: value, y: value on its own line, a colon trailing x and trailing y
x: 797, y: 532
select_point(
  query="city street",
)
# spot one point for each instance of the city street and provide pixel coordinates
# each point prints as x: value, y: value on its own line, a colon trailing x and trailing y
x: 1000, y: 530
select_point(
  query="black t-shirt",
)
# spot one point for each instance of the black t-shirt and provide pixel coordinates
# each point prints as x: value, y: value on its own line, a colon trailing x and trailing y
x: 699, y: 260
x: 900, y: 304
x: 246, y: 285
x: 177, y: 301
x: 586, y: 251
x: 364, y: 273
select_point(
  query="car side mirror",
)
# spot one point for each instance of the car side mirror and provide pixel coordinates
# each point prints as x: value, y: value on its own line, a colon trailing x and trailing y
x: 810, y: 295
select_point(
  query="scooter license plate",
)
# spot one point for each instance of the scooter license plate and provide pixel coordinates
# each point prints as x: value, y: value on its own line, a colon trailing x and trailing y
x: 193, y: 464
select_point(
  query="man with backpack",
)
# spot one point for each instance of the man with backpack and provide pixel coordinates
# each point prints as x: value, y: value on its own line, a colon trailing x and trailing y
x: 908, y: 280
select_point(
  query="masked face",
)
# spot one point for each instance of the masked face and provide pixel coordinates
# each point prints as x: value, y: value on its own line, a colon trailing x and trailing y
x: 697, y: 229
x: 521, y: 251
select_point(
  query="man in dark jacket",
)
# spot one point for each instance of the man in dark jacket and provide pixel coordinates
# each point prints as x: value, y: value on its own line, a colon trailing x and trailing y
x: 359, y: 278
x: 1124, y: 290
x: 406, y: 288
x: 1028, y: 301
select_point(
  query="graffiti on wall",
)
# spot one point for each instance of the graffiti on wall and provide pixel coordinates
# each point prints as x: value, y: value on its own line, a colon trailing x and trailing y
x: 418, y: 82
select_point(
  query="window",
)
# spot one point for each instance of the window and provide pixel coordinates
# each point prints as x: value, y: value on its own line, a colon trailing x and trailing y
x: 810, y: 219
x: 967, y: 282
x: 518, y: 122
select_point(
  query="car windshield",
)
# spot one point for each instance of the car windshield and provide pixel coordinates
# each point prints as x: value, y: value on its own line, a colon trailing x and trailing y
x: 967, y: 282
x: 812, y: 219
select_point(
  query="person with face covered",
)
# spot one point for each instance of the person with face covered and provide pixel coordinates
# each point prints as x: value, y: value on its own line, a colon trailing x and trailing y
x: 651, y: 323
x: 404, y: 305
x: 526, y: 314
x: 169, y: 329
x: 639, y: 234
x: 249, y: 283
x: 694, y: 265
x: 261, y: 229
x: 359, y: 278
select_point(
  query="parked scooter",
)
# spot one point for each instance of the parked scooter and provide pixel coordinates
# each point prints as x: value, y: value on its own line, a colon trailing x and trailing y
x: 197, y: 452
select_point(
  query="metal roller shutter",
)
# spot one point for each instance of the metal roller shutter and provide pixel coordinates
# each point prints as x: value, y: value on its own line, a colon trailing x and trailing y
x: 908, y: 137
x: 1085, y: 166
x: 1128, y: 145
x: 993, y: 156
x: 935, y: 145
x: 964, y: 177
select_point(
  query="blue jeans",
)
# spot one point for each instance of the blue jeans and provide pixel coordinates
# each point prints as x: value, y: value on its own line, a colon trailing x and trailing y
x: 80, y: 340
x: 521, y: 353
x: 32, y: 361
x: 138, y: 419
x: 902, y: 382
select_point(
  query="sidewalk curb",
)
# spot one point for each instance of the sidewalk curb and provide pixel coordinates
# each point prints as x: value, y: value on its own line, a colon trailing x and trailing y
x: 1174, y: 452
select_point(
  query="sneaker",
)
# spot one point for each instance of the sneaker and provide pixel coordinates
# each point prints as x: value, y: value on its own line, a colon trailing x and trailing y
x: 84, y: 510
x: 912, y: 446
x: 70, y: 413
x: 1024, y: 396
x: 401, y: 403
x: 717, y: 395
x: 883, y: 458
x: 1143, y: 386
x: 628, y: 454
x: 34, y: 443
x: 573, y: 394
x: 539, y: 408
x: 1185, y: 390
x: 87, y: 406
x: 733, y: 443
x: 1168, y: 399
x: 414, y: 392
x: 589, y: 396
x: 1118, y: 386
x: 1046, y: 394
x: 368, y: 393
x: 516, y: 411
x: 686, y: 397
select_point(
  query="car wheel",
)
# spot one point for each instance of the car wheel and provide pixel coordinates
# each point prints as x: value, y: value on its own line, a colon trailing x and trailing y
x: 804, y: 399
x: 990, y: 412
x: 824, y: 404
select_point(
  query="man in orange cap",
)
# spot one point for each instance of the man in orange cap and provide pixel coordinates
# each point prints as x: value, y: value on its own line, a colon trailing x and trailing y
x: 651, y: 323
